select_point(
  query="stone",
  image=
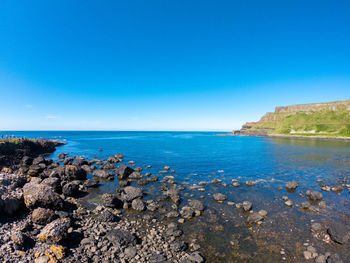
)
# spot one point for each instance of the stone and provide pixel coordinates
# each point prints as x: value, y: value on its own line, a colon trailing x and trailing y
x: 107, y: 216
x: 316, y: 227
x: 187, y: 212
x: 92, y: 183
x: 291, y: 186
x: 305, y: 205
x: 121, y: 238
x: 130, y: 252
x: 55, y: 231
x: 43, y: 216
x: 106, y: 175
x: 219, y: 197
x: 40, y: 195
x: 250, y: 183
x: 71, y: 172
x: 111, y: 201
x: 71, y: 189
x: 130, y: 193
x: 18, y: 238
x: 216, y: 181
x: 320, y: 259
x: 195, y: 257
x: 289, y: 203
x: 337, y: 188
x: 179, y: 246
x: 338, y: 233
x: 138, y: 205
x: 196, y: 204
x: 124, y: 171
x: 314, y: 195
x: 247, y: 206
x: 254, y: 218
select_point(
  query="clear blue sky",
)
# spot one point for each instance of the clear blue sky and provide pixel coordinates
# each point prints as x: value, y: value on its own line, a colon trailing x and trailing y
x: 167, y: 65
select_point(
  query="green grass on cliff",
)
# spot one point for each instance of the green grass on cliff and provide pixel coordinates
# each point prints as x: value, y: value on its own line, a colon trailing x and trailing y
x: 324, y: 123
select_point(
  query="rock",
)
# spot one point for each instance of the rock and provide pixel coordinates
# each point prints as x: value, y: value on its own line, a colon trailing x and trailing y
x: 42, y: 259
x: 26, y: 161
x: 263, y: 213
x: 173, y: 230
x: 187, y: 212
x: 18, y: 238
x: 130, y: 252
x: 130, y: 193
x: 179, y: 246
x: 216, y: 181
x: 112, y: 201
x: 71, y: 172
x: 305, y: 205
x: 289, y: 203
x: 229, y: 203
x: 254, y: 218
x: 92, y: 183
x: 285, y: 198
x: 135, y: 175
x: 236, y: 184
x: 338, y: 233
x: 337, y: 188
x: 307, y: 255
x: 86, y: 168
x: 316, y: 227
x: 196, y: 204
x: 53, y: 182
x: 334, y: 258
x: 195, y: 257
x: 314, y: 195
x: 320, y: 259
x: 121, y: 238
x: 124, y: 171
x: 55, y: 231
x: 106, y: 175
x: 107, y: 216
x: 250, y: 183
x: 172, y: 214
x: 219, y: 197
x: 62, y: 155
x: 71, y: 189
x: 43, y: 216
x: 138, y: 205
x: 11, y: 202
x: 40, y: 195
x: 291, y: 186
x: 166, y: 167
x: 173, y: 194
x: 247, y: 206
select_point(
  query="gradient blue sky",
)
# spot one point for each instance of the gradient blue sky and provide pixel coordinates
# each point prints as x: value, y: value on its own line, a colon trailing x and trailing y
x: 167, y: 65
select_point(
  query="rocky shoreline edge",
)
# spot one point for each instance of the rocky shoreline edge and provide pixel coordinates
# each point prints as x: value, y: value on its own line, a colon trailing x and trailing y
x: 287, y: 136
x: 43, y: 220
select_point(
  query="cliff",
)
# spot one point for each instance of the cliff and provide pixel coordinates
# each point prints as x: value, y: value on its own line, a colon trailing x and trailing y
x: 330, y: 119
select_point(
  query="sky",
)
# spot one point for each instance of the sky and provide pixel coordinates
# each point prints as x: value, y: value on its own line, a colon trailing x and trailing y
x: 167, y: 65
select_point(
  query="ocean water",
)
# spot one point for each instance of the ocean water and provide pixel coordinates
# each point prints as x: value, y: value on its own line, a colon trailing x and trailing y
x: 203, y: 156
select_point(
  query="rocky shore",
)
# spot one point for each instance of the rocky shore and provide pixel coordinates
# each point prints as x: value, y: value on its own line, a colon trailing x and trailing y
x: 44, y: 217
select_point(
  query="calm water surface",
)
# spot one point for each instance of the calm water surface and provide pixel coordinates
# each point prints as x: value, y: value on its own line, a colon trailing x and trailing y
x: 202, y: 156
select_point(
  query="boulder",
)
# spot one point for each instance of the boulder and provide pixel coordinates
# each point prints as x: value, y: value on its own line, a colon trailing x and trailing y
x: 41, y: 195
x: 43, y: 216
x: 11, y: 202
x: 338, y: 233
x: 53, y: 182
x: 187, y: 212
x: 71, y: 172
x: 55, y: 231
x: 247, y: 206
x: 71, y: 189
x: 314, y: 195
x: 219, y: 197
x: 121, y: 238
x: 196, y: 204
x: 124, y: 171
x: 135, y: 175
x: 107, y: 216
x: 92, y: 183
x: 138, y: 205
x: 291, y: 186
x: 130, y: 193
x: 106, y: 175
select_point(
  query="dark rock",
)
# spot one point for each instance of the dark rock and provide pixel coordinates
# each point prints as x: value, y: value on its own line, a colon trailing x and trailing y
x: 41, y: 195
x: 124, y: 171
x: 68, y: 161
x: 18, y: 238
x: 86, y: 168
x: 130, y: 193
x: 138, y: 205
x: 196, y: 204
x: 334, y: 258
x: 179, y: 246
x: 187, y: 212
x: 71, y: 189
x: 107, y: 216
x: 53, y: 182
x: 254, y: 218
x: 55, y: 231
x: 135, y: 175
x: 247, y: 206
x: 71, y: 172
x: 173, y: 194
x: 92, y: 183
x: 121, y: 238
x: 62, y: 155
x: 219, y: 197
x: 26, y: 161
x: 112, y: 201
x: 107, y: 175
x: 314, y: 195
x: 291, y: 186
x: 339, y: 233
x: 43, y: 216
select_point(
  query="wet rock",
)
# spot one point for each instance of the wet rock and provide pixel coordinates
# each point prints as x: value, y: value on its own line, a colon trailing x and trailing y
x: 53, y: 182
x: 71, y: 189
x: 173, y: 230
x: 124, y: 171
x: 92, y: 183
x: 219, y: 197
x: 196, y: 204
x: 138, y: 205
x: 166, y: 167
x: 216, y: 181
x: 250, y: 183
x: 55, y: 231
x: 314, y: 195
x: 26, y: 161
x: 121, y: 238
x: 86, y: 168
x: 40, y: 195
x: 187, y: 212
x: 135, y: 175
x: 173, y: 194
x: 320, y: 259
x: 316, y: 227
x: 337, y: 188
x: 254, y: 218
x: 338, y: 233
x: 247, y: 206
x: 130, y: 193
x: 305, y: 205
x: 195, y: 257
x: 263, y: 213
x: 172, y: 214
x: 106, y: 175
x: 71, y: 172
x: 107, y: 216
x: 62, y: 155
x: 291, y: 186
x: 111, y: 201
x: 236, y: 184
x: 334, y: 258
x: 43, y: 216
x: 179, y: 246
x: 289, y: 203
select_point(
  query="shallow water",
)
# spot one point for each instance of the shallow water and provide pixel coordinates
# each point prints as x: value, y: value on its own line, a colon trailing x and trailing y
x: 271, y: 162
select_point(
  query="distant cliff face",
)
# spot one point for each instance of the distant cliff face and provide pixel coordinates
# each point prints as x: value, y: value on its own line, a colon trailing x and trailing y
x: 330, y: 119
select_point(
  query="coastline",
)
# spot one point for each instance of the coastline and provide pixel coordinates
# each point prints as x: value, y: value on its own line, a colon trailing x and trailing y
x: 289, y: 136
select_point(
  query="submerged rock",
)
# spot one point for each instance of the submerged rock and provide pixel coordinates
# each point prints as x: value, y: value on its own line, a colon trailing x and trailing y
x: 254, y: 218
x: 291, y: 186
x: 187, y: 212
x: 219, y: 197
x: 247, y: 206
x: 138, y: 205
x: 196, y: 204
